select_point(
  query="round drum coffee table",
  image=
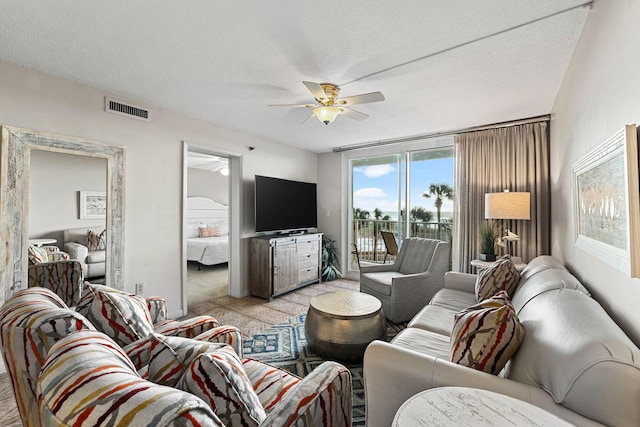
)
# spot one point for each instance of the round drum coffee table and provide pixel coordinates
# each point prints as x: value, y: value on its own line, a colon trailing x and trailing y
x: 340, y: 325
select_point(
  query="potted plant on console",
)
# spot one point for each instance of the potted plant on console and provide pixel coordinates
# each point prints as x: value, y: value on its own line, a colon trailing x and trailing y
x: 488, y: 236
x: 330, y: 262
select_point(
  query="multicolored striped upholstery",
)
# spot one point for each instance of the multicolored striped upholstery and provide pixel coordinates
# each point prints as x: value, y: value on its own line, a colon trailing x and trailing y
x: 32, y: 321
x: 501, y: 276
x: 63, y: 277
x: 217, y: 377
x: 88, y: 380
x: 157, y: 309
x: 486, y: 335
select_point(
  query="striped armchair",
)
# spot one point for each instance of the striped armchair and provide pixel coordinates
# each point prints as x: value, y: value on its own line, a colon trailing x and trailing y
x: 48, y: 348
x: 51, y: 268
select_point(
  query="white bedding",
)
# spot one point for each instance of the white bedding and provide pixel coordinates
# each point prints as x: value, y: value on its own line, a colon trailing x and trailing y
x: 207, y: 250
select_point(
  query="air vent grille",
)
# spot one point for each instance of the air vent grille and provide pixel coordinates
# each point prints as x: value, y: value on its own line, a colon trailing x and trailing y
x: 118, y: 107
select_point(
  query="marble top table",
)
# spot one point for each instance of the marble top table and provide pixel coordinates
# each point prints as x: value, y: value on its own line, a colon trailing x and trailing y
x: 462, y: 406
x: 41, y: 242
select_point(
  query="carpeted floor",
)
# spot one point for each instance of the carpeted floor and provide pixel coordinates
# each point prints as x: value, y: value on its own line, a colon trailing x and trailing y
x: 249, y: 314
x: 285, y: 346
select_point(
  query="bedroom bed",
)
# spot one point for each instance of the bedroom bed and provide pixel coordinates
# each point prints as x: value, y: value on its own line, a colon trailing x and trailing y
x: 210, y: 220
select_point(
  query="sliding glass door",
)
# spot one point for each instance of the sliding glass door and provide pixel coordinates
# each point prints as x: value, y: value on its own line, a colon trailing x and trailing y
x: 408, y: 192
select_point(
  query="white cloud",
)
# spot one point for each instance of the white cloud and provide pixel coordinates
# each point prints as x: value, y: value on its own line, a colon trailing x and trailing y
x: 370, y: 193
x: 378, y: 171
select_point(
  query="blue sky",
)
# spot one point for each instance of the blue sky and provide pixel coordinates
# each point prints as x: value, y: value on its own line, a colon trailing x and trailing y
x: 377, y: 186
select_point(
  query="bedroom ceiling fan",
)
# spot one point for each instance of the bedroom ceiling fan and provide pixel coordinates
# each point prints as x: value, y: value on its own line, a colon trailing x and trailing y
x: 328, y: 106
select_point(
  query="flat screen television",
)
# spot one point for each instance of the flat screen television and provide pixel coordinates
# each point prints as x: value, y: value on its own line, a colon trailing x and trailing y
x: 284, y: 205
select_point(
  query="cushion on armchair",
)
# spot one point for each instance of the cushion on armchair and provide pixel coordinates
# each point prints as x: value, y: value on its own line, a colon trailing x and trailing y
x: 122, y: 316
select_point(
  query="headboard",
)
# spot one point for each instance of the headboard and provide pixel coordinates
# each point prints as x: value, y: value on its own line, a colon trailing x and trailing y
x: 201, y: 210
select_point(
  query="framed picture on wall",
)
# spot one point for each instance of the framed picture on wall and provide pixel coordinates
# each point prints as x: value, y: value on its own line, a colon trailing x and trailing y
x: 606, y: 202
x: 93, y: 205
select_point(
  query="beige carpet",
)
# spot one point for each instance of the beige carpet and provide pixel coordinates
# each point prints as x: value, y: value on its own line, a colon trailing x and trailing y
x: 249, y: 314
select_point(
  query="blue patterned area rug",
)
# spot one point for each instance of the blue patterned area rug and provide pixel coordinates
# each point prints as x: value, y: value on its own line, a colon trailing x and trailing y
x: 285, y: 346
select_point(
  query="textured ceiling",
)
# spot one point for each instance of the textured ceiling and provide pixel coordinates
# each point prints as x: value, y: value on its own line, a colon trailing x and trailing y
x: 224, y: 62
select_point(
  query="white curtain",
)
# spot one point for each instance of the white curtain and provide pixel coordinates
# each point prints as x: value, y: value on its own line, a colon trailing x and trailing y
x: 513, y: 158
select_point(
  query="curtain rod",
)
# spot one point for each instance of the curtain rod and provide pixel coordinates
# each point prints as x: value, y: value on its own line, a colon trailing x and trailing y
x: 542, y: 118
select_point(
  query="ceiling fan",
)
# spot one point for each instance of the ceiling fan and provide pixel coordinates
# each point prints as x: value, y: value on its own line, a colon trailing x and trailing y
x: 328, y: 106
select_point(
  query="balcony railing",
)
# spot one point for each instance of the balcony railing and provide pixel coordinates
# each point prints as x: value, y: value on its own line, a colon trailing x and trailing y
x: 366, y: 236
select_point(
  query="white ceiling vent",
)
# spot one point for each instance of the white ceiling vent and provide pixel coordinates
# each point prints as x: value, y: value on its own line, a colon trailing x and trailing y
x: 126, y: 109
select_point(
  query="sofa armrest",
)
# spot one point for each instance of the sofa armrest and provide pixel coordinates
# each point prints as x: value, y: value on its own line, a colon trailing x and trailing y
x: 460, y: 281
x: 76, y: 251
x: 393, y: 374
x: 322, y: 398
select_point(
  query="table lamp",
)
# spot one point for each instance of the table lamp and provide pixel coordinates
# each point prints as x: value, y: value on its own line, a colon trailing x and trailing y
x: 508, y: 205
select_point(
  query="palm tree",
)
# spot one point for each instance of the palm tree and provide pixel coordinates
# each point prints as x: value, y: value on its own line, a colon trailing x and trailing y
x: 360, y: 213
x: 440, y: 191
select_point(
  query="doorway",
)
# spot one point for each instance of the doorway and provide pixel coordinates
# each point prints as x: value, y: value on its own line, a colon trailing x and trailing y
x: 211, y: 225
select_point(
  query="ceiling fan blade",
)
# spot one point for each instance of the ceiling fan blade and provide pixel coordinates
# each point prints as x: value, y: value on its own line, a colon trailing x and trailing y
x: 365, y: 98
x: 316, y: 90
x: 308, y: 117
x: 293, y: 105
x: 353, y: 114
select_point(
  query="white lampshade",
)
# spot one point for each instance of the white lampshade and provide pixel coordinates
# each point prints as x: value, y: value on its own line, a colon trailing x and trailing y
x: 507, y: 205
x: 326, y: 114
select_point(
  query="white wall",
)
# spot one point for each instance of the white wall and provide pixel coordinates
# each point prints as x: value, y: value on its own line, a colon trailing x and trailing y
x: 54, y: 185
x: 153, y: 159
x: 212, y: 185
x: 600, y: 94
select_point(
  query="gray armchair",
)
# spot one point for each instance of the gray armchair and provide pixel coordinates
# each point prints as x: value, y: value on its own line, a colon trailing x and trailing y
x: 408, y: 284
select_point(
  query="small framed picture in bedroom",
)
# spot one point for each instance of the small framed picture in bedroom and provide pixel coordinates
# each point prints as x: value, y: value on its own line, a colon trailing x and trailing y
x: 607, y: 202
x: 92, y: 204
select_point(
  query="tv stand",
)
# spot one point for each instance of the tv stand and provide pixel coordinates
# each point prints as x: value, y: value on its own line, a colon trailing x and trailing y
x: 296, y: 233
x: 280, y: 264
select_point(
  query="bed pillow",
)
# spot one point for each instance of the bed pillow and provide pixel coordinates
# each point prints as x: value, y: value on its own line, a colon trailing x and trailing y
x: 486, y: 335
x: 209, y: 231
x: 501, y: 276
x: 223, y: 226
x: 193, y: 230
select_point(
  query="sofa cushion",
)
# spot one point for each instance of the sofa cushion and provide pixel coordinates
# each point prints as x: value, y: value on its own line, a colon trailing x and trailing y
x: 454, y: 299
x: 427, y: 342
x: 380, y: 281
x: 188, y: 328
x: 486, y: 335
x: 170, y: 357
x: 580, y: 356
x: 218, y: 378
x: 86, y: 367
x: 122, y: 316
x: 434, y: 318
x: 96, y: 257
x: 545, y: 280
x: 501, y: 276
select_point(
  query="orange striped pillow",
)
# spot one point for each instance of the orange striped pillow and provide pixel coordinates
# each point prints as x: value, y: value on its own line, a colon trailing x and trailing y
x: 486, y: 335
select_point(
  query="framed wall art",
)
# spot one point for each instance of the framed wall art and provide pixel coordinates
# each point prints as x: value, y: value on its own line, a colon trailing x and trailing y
x: 93, y: 205
x: 606, y: 206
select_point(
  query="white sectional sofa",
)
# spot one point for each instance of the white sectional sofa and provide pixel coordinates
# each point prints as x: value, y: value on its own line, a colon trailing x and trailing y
x: 574, y: 361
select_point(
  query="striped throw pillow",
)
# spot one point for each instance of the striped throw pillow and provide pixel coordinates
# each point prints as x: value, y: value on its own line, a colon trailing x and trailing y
x: 170, y: 357
x: 486, y: 335
x: 122, y: 316
x: 501, y: 276
x: 219, y: 379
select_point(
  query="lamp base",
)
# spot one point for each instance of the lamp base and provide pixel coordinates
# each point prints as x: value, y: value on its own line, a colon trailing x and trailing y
x: 487, y: 257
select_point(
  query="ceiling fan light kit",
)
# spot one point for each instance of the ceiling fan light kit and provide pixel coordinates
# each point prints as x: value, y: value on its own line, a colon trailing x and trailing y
x: 326, y: 114
x: 328, y: 105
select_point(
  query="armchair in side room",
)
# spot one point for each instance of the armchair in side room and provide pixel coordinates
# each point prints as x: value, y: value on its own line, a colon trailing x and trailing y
x: 53, y: 269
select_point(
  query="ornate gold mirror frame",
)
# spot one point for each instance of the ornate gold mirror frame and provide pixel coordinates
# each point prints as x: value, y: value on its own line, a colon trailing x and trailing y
x: 15, y: 151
